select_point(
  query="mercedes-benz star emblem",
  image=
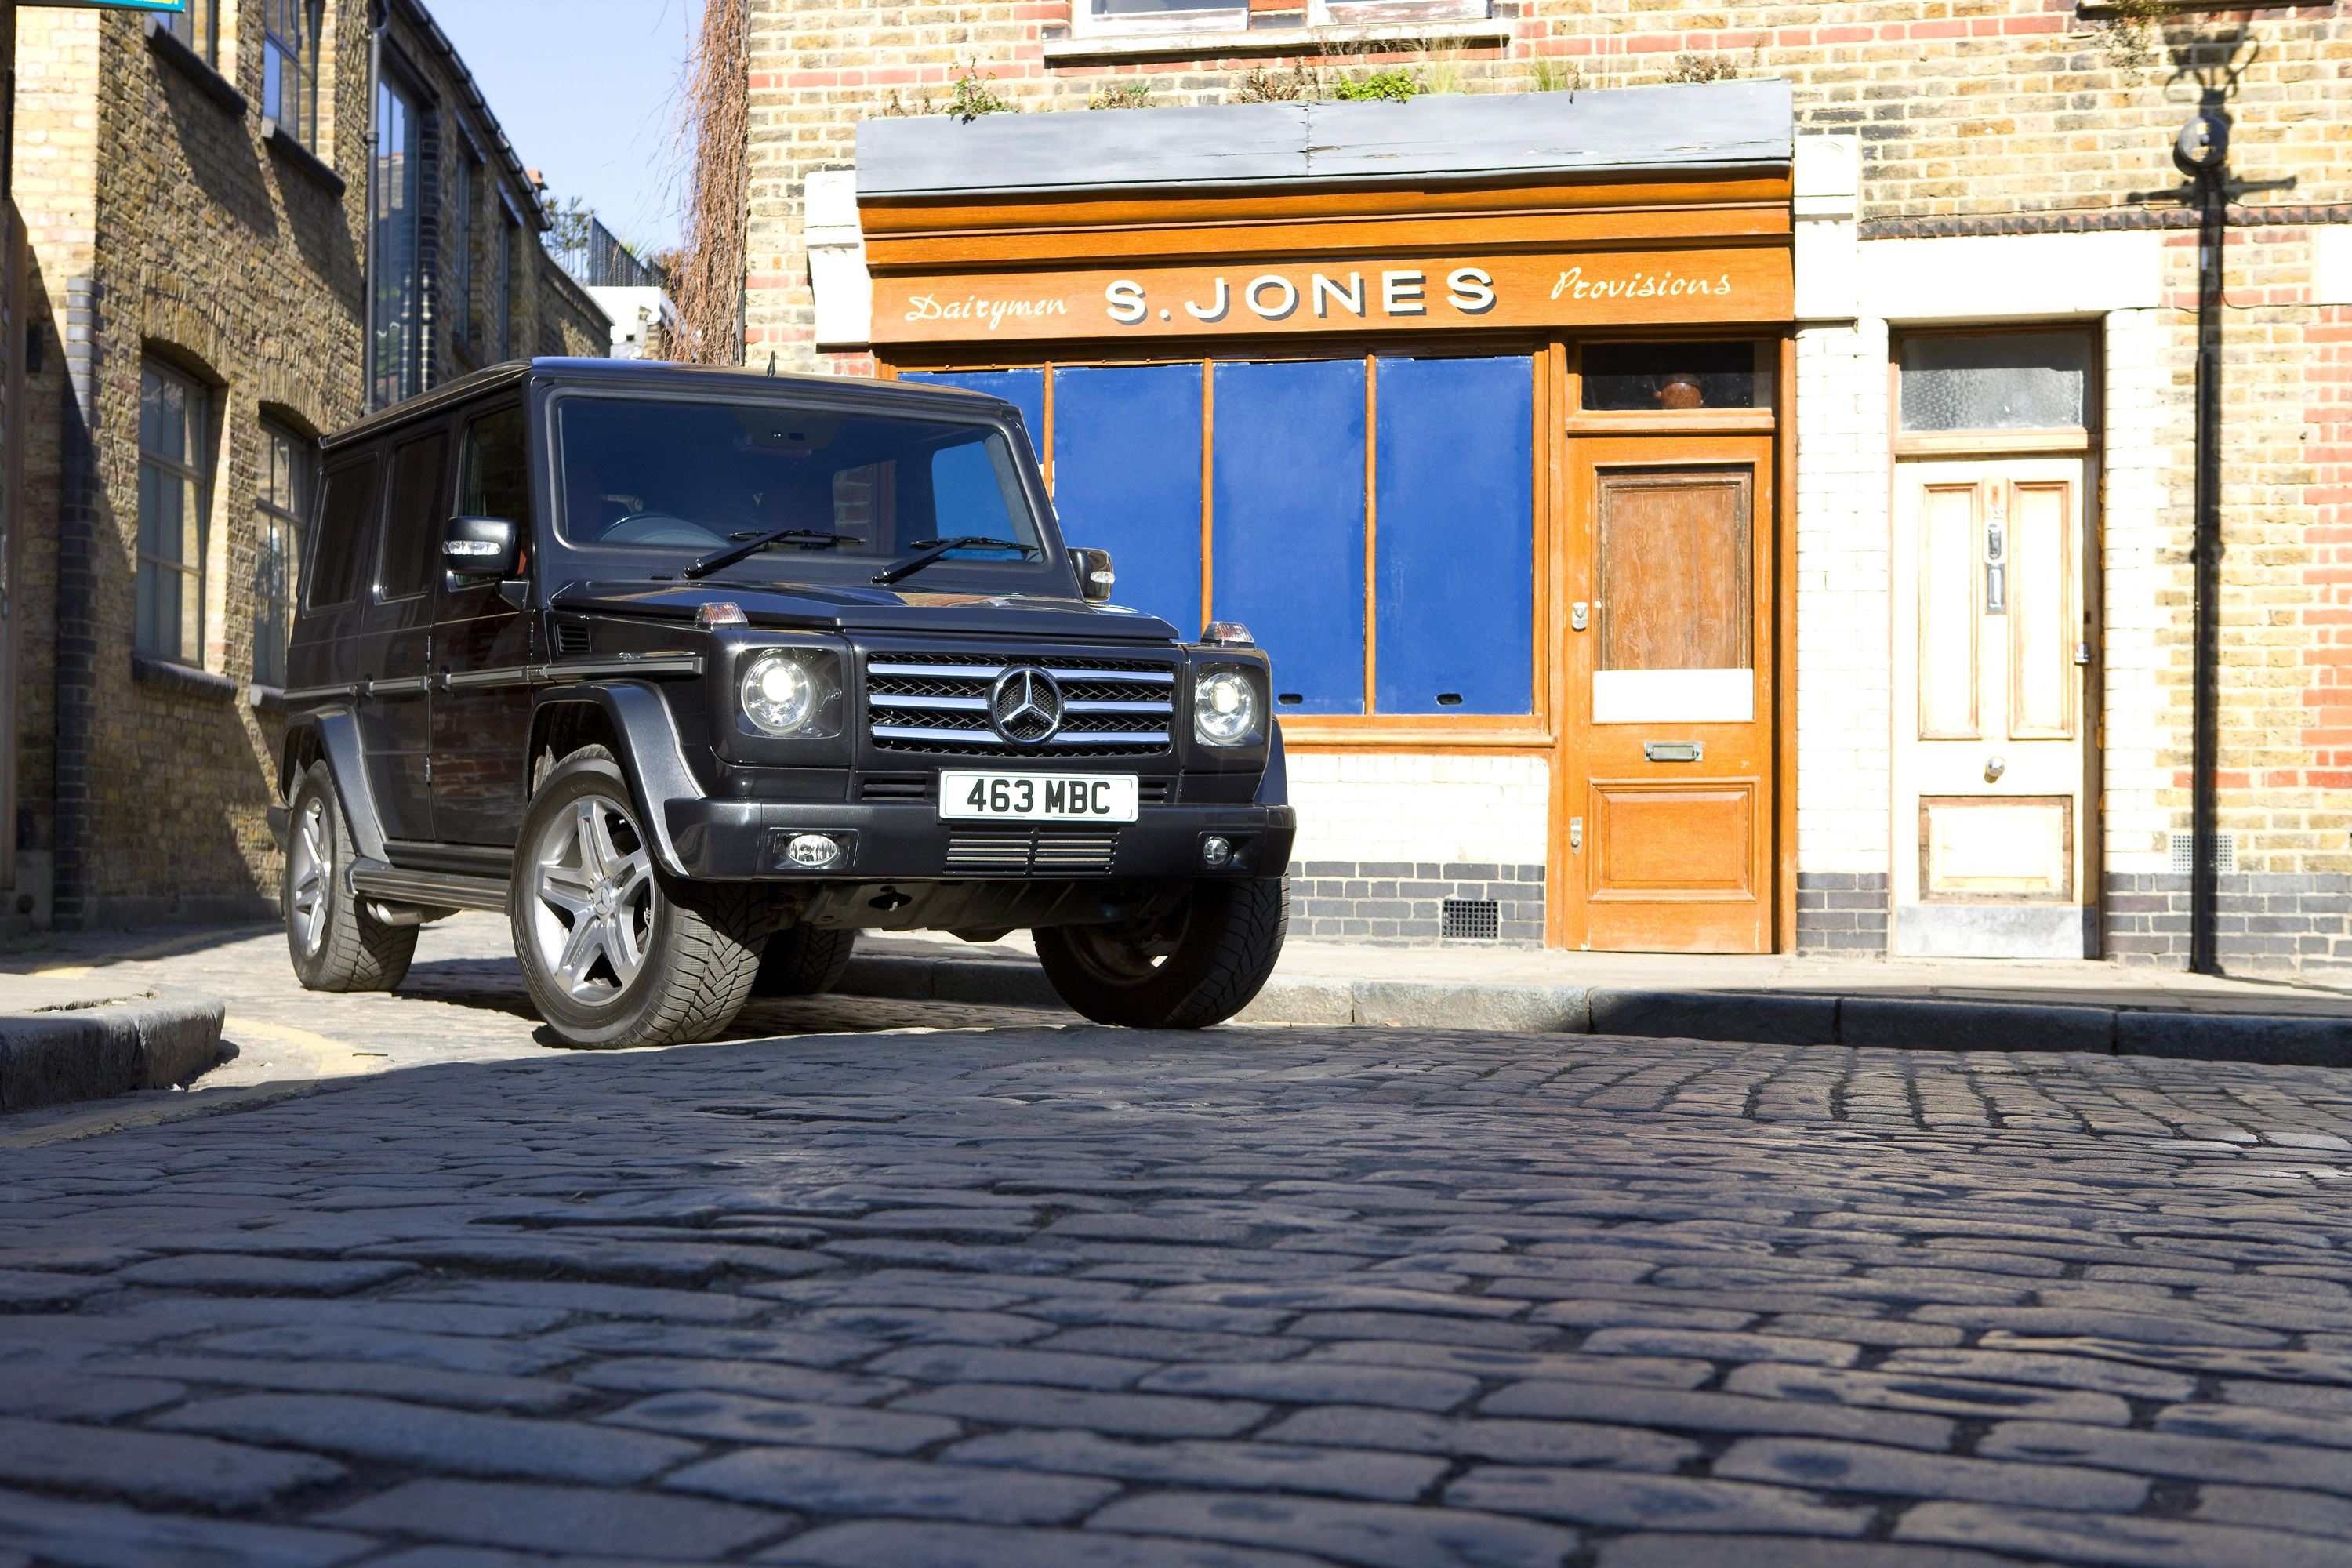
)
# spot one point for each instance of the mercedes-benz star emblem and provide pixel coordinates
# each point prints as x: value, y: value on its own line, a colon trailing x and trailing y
x: 1026, y: 706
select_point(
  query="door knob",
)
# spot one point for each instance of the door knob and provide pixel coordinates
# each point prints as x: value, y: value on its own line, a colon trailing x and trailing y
x: 1994, y: 768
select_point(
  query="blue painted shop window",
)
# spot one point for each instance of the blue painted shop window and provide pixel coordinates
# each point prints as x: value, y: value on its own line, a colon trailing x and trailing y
x: 1288, y: 491
x: 1455, y: 533
x: 1024, y: 389
x: 1127, y: 478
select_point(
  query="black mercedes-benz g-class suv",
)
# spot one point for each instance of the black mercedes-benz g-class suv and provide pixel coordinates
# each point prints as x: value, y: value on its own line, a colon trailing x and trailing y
x: 697, y: 673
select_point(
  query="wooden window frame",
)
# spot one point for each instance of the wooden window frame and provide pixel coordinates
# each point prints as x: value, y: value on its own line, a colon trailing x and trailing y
x: 1533, y: 732
x: 198, y: 27
x: 296, y: 525
x: 1230, y: 17
x: 2083, y: 437
x: 197, y: 476
x: 302, y: 51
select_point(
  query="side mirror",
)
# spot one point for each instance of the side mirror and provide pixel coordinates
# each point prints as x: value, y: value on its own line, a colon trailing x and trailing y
x: 1095, y: 575
x: 473, y: 548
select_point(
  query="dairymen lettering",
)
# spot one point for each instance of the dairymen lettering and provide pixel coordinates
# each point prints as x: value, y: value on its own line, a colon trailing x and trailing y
x: 979, y: 308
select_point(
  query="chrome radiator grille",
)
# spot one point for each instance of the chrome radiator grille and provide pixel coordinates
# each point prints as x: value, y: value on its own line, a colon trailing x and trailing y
x: 938, y: 703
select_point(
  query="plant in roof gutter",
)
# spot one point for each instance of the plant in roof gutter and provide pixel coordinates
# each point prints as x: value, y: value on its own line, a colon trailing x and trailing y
x: 974, y: 97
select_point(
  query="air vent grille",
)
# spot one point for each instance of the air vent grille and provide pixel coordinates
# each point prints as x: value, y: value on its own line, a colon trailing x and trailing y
x: 1473, y: 919
x: 2184, y: 852
x: 573, y: 640
x: 1032, y: 853
x: 897, y: 786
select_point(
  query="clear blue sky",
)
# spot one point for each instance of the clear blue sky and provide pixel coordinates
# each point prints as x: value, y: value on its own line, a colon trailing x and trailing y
x: 587, y: 92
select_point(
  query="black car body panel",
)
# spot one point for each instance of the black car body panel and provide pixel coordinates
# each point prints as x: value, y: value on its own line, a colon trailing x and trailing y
x: 435, y: 699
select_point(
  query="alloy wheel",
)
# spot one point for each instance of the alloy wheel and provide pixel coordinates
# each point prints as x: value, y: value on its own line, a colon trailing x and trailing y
x: 308, y: 866
x: 593, y: 896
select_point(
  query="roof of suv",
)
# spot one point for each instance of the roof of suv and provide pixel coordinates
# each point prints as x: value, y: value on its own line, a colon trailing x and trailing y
x: 648, y: 373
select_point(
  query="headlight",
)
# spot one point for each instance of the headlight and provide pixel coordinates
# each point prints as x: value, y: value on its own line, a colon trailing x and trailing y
x: 1224, y: 709
x: 787, y: 693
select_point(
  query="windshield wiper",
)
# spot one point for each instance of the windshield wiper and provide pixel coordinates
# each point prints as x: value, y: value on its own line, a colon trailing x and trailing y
x: 932, y: 548
x: 707, y: 565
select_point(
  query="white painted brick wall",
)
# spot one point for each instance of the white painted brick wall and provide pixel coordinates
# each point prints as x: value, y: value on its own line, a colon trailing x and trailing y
x: 1378, y: 806
x: 1844, y: 662
x: 2140, y: 547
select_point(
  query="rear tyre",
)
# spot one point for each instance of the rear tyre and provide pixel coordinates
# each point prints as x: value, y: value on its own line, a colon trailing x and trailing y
x: 1197, y: 965
x: 334, y: 945
x: 803, y: 961
x: 612, y: 953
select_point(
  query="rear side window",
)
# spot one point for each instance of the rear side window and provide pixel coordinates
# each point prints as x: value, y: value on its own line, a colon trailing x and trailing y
x: 498, y: 470
x: 342, y: 534
x: 412, y: 519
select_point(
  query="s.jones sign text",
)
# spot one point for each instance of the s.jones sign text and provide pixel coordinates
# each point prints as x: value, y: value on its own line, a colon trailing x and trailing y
x: 1743, y: 285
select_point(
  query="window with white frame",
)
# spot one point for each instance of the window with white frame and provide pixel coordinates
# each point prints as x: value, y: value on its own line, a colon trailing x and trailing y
x: 1110, y: 18
x: 289, y: 64
x: 197, y: 24
x: 280, y: 513
x: 1390, y: 13
x: 175, y: 473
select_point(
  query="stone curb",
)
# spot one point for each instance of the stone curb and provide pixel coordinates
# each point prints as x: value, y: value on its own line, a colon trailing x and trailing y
x: 164, y: 1037
x: 1764, y: 1017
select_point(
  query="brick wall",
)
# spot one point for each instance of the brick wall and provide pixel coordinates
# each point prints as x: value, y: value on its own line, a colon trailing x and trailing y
x: 1973, y: 116
x: 164, y: 225
x: 1843, y: 808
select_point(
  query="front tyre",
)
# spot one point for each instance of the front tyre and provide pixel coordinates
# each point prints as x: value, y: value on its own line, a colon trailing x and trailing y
x: 334, y: 944
x: 801, y: 961
x: 1198, y: 965
x: 613, y: 955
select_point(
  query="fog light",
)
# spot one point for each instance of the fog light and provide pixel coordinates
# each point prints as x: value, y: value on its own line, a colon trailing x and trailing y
x: 812, y: 851
x: 1216, y: 853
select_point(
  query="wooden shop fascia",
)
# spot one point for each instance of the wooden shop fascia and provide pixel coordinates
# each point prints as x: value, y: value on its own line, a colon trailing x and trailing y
x: 1475, y: 409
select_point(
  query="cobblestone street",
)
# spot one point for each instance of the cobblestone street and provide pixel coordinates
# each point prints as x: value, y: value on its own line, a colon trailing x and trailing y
x: 1246, y: 1298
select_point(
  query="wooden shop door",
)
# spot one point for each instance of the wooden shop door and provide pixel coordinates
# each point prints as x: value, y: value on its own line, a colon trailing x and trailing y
x: 1664, y: 826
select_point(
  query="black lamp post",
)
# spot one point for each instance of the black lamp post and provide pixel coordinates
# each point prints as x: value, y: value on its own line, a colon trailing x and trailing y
x: 2201, y: 151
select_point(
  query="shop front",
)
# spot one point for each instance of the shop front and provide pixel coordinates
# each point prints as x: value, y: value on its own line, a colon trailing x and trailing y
x: 1475, y: 413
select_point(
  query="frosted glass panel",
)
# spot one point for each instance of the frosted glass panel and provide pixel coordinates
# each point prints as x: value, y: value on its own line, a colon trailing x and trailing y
x: 2018, y: 381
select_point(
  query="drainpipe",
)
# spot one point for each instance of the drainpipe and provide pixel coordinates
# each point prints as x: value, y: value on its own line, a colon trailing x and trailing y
x: 2200, y: 152
x: 367, y: 283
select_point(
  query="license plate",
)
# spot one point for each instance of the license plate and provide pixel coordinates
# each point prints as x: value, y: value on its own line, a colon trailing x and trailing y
x: 1038, y: 797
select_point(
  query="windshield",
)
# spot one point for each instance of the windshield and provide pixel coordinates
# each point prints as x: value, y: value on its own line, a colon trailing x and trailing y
x: 681, y: 480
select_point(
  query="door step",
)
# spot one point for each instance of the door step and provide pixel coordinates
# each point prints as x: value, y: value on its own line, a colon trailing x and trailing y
x: 432, y: 889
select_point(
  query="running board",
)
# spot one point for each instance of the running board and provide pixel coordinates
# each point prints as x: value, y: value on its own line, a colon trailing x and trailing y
x: 432, y: 890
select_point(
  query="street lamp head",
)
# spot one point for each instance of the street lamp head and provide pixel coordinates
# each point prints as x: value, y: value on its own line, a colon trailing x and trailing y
x: 2202, y: 145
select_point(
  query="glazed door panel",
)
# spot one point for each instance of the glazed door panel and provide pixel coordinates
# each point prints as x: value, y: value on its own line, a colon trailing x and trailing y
x: 1667, y: 752
x: 481, y: 648
x: 396, y: 652
x: 1991, y: 832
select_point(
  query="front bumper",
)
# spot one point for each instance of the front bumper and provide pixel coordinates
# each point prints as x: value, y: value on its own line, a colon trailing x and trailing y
x: 723, y: 840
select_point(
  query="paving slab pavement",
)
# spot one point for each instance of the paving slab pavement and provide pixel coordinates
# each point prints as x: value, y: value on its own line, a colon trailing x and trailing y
x: 70, y: 1037
x: 1243, y: 1297
x: 1954, y: 1004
